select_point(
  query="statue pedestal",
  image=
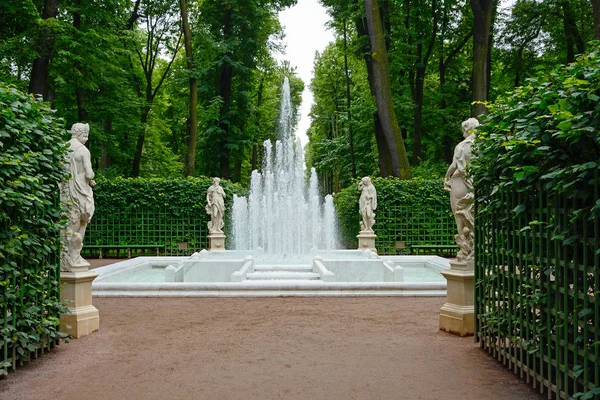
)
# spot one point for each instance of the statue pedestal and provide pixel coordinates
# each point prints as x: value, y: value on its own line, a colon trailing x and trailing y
x: 77, y: 291
x: 216, y: 241
x: 366, y: 240
x: 457, y: 316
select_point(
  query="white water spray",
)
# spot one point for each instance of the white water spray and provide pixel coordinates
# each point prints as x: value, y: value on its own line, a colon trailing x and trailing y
x: 283, y: 215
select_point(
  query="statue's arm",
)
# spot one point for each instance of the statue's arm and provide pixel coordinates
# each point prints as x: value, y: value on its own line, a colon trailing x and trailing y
x: 451, y: 169
x: 86, y: 160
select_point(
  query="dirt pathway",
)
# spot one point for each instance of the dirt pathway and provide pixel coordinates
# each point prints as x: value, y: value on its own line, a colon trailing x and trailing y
x: 279, y: 348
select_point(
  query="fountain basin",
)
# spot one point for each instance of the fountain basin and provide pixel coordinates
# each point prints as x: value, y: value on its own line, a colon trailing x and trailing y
x: 237, y: 273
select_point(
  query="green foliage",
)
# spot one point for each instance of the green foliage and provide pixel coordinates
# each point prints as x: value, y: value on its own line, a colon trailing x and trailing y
x: 544, y: 133
x: 430, y: 170
x: 392, y: 193
x: 32, y: 150
x: 177, y: 195
x: 537, y: 178
x: 165, y: 212
x: 329, y: 146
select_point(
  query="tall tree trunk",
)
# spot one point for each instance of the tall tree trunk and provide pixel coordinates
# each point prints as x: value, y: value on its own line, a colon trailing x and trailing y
x: 596, y: 13
x: 38, y: 81
x: 105, y: 158
x: 418, y: 114
x: 383, y: 92
x: 419, y: 89
x: 137, y: 158
x: 190, y: 159
x: 482, y: 26
x: 82, y: 115
x: 148, y: 63
x: 385, y: 163
x: 572, y: 36
x: 348, y: 102
x: 225, y: 93
x: 259, y: 101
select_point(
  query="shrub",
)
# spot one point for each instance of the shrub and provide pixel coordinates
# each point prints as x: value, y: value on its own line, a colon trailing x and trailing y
x: 545, y: 132
x: 32, y: 150
x: 537, y: 178
x: 410, y: 197
x: 165, y: 212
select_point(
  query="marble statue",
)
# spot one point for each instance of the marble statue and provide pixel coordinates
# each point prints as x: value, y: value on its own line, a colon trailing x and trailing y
x: 460, y: 186
x: 367, y: 204
x: 215, y: 207
x: 78, y: 195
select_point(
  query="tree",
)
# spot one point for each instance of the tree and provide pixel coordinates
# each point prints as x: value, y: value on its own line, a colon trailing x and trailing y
x: 425, y: 32
x: 383, y: 93
x: 348, y: 100
x: 483, y: 12
x: 192, y: 124
x: 161, y: 36
x: 241, y: 34
x: 596, y: 13
x: 38, y: 82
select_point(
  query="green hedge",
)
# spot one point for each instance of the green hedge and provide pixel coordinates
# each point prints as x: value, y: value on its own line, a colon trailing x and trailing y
x: 537, y: 177
x: 32, y: 149
x: 409, y: 212
x: 166, y: 212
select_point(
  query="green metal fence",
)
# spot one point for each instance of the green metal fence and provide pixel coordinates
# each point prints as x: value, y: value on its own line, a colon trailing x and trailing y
x: 29, y: 299
x: 141, y: 230
x: 411, y: 229
x: 537, y: 277
x: 399, y: 229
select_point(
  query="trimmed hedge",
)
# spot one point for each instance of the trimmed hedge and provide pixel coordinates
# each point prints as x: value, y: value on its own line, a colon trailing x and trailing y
x: 537, y: 177
x: 142, y: 211
x: 32, y: 150
x: 409, y: 211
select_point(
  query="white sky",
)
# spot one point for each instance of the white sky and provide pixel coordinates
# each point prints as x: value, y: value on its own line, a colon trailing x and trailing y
x: 305, y: 33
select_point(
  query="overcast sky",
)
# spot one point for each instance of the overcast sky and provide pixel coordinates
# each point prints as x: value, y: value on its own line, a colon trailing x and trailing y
x: 304, y: 26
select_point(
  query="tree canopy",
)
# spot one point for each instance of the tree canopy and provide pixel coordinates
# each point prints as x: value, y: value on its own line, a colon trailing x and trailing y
x: 191, y: 87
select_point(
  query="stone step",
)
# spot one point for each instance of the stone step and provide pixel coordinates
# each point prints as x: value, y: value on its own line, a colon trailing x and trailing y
x: 283, y: 268
x: 282, y: 275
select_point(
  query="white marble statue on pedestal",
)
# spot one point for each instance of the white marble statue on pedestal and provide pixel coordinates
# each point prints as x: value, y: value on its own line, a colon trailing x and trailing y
x: 78, y: 195
x: 367, y: 204
x: 460, y: 186
x: 215, y: 207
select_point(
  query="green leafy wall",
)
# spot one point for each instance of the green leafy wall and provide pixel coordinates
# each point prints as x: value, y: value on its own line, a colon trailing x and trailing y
x: 32, y: 149
x: 140, y: 211
x: 537, y: 176
x: 408, y: 211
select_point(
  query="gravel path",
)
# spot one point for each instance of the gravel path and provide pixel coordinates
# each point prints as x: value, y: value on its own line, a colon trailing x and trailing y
x: 274, y: 348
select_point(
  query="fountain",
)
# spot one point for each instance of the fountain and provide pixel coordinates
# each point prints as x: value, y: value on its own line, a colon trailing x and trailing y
x: 284, y: 239
x: 268, y: 219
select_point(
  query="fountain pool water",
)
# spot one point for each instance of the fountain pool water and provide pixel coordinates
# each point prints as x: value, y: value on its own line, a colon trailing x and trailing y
x: 236, y: 273
x: 284, y: 238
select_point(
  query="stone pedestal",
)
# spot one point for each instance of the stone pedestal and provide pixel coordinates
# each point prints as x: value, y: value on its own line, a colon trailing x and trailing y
x: 77, y: 292
x: 457, y: 316
x: 366, y: 240
x: 216, y: 241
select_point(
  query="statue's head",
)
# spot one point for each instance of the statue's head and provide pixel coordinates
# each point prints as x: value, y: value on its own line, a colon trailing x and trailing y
x: 81, y: 132
x: 366, y: 181
x: 469, y: 126
x: 216, y: 181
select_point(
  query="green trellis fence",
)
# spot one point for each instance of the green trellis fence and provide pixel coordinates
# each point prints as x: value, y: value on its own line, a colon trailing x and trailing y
x: 537, y: 277
x: 411, y: 228
x: 147, y: 230
x: 28, y: 296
